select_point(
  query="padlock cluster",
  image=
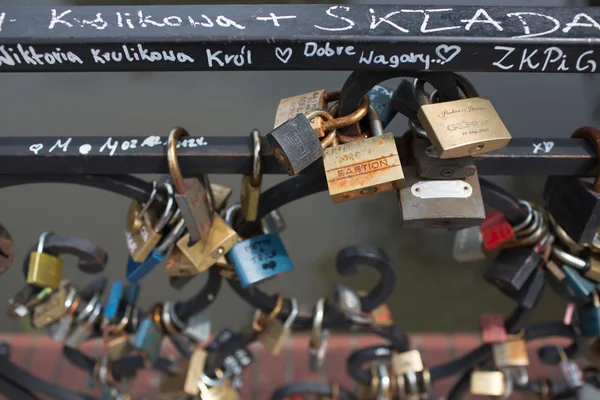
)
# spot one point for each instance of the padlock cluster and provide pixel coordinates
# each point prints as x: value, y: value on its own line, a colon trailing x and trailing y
x: 186, y: 226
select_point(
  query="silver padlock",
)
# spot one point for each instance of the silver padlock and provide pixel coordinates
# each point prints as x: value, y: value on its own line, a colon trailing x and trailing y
x: 84, y: 330
x: 273, y: 222
x: 468, y: 245
x: 319, y: 338
x: 426, y: 203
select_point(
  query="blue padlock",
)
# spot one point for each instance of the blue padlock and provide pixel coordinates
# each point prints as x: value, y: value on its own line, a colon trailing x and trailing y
x: 148, y: 338
x: 581, y: 287
x: 131, y: 294
x: 113, y: 301
x: 136, y: 271
x: 259, y: 258
x: 589, y: 318
x: 381, y: 100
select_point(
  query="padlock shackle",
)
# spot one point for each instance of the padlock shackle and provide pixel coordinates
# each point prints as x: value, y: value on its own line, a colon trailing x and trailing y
x: 172, y: 162
x: 256, y: 158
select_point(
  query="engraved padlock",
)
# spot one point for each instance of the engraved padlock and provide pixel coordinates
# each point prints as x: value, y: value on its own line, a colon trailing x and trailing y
x: 424, y: 203
x: 45, y: 270
x: 289, y: 107
x: 463, y: 127
x: 363, y: 167
x: 192, y: 195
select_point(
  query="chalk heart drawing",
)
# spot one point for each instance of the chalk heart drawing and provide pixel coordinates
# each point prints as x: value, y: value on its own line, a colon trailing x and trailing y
x: 283, y: 54
x: 447, y: 53
x: 548, y: 146
x: 36, y: 147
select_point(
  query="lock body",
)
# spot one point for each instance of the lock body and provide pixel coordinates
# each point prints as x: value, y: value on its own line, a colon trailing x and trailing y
x: 206, y: 252
x: 463, y: 127
x: 289, y: 107
x: 362, y: 168
x: 180, y: 265
x: 430, y: 166
x: 118, y: 346
x: 580, y: 286
x: 147, y: 339
x: 113, y: 301
x: 45, y: 270
x: 295, y: 145
x: 468, y: 245
x: 196, y: 208
x: 574, y: 206
x: 50, y: 310
x: 198, y: 327
x: 259, y: 258
x: 589, y: 321
x: 487, y: 383
x: 408, y: 361
x: 274, y: 336
x: 440, y: 203
x: 512, y: 353
x: 139, y: 231
x: 221, y: 195
x: 593, y: 270
x: 512, y: 268
x: 137, y: 270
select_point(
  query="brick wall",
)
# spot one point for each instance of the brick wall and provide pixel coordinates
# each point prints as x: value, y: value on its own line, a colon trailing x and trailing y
x: 42, y: 357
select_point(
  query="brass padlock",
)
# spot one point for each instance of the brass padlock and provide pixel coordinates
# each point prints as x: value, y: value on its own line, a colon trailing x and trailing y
x: 427, y: 203
x: 408, y: 361
x: 250, y: 193
x: 143, y: 229
x: 274, y: 333
x: 185, y: 380
x: 116, y: 342
x: 363, y: 167
x: 512, y: 353
x: 463, y: 127
x: 221, y: 195
x: 45, y: 270
x: 592, y: 268
x: 289, y: 107
x: 179, y: 265
x: 487, y: 383
x: 192, y: 195
x: 52, y: 309
x: 206, y: 252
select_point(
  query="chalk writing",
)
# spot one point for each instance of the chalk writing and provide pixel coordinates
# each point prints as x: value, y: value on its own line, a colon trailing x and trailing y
x: 221, y: 58
x: 349, y: 23
x: 313, y: 49
x: 543, y: 146
x: 35, y: 148
x: 283, y: 55
x: 139, y: 53
x: 275, y: 19
x: 551, y: 58
x: 85, y: 149
x: 28, y: 55
x: 64, y: 146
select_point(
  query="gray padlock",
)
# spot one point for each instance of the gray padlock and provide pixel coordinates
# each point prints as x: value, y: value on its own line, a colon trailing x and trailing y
x: 84, y: 330
x: 198, y: 327
x: 425, y: 203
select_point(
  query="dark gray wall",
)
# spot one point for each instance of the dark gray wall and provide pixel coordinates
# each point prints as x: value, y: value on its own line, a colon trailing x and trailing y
x: 434, y: 293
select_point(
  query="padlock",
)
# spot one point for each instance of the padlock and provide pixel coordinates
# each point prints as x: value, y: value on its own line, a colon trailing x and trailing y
x: 570, y: 370
x: 580, y: 286
x: 179, y: 265
x: 52, y: 309
x: 192, y: 195
x: 381, y: 316
x: 45, y: 270
x: 117, y: 342
x: 463, y: 127
x: 380, y: 97
x: 496, y: 231
x: 113, y: 302
x: 512, y: 267
x: 224, y: 391
x: 198, y: 327
x: 454, y: 203
x: 273, y: 222
x: 239, y: 357
x: 274, y: 333
x: 589, y: 317
x: 487, y: 383
x: 493, y: 328
x: 346, y: 301
x: 319, y: 338
x: 295, y: 144
x: 363, y: 167
x: 430, y: 166
x: 259, y: 258
x: 60, y: 329
x: 85, y: 328
x: 185, y: 380
x: 468, y: 245
x: 289, y: 107
x: 250, y: 193
x: 206, y: 252
x: 221, y: 195
x: 148, y: 338
x: 136, y: 270
x: 408, y: 361
x: 512, y: 353
x: 143, y: 229
x: 528, y: 296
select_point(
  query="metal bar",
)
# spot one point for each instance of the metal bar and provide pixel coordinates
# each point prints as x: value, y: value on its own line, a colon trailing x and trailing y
x: 299, y: 37
x: 233, y: 155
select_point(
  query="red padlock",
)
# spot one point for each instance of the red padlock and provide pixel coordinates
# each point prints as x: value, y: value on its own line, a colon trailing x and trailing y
x: 495, y: 230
